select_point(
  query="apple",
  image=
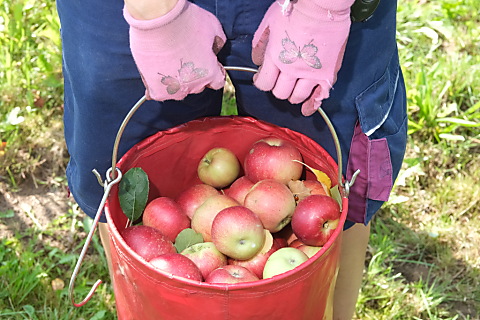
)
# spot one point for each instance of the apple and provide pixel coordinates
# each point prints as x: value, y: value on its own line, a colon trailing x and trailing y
x: 286, y: 234
x: 237, y: 232
x: 239, y: 189
x: 273, y: 158
x: 257, y: 263
x: 304, y: 188
x: 165, y: 214
x: 316, y: 187
x: 206, y: 256
x: 177, y: 265
x: 203, y: 217
x: 296, y: 243
x: 283, y: 260
x: 231, y: 274
x: 193, y: 197
x: 147, y: 242
x: 281, y: 242
x: 310, y: 251
x: 219, y: 167
x: 272, y: 202
x: 315, y: 219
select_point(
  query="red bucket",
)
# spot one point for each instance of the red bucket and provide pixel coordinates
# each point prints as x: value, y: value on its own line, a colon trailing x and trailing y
x: 170, y: 160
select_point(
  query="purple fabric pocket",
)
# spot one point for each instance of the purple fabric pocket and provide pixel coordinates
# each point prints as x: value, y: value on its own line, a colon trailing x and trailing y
x: 375, y: 181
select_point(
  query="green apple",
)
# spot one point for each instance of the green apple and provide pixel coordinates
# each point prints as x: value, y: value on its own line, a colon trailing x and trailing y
x: 218, y: 168
x: 283, y: 260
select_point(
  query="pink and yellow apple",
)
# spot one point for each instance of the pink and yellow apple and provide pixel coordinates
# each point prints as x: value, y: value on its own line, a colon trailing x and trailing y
x: 304, y: 188
x: 203, y: 217
x: 238, y: 233
x: 206, y: 256
x: 272, y: 202
x: 193, y: 197
x: 231, y: 274
x: 239, y: 189
x: 273, y: 158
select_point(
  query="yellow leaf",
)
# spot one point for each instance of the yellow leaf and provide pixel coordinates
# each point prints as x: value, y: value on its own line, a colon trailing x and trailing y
x: 321, y: 176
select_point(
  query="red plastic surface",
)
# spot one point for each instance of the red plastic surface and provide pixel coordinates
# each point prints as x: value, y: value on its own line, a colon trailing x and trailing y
x: 170, y: 159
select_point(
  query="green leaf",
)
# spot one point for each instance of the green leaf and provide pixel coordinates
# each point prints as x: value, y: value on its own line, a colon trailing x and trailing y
x: 7, y: 214
x: 453, y: 137
x: 133, y: 193
x: 99, y: 315
x: 461, y: 122
x: 186, y: 238
x: 335, y: 193
x: 30, y: 310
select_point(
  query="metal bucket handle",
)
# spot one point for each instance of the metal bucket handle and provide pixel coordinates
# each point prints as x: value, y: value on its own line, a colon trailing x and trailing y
x: 114, y: 176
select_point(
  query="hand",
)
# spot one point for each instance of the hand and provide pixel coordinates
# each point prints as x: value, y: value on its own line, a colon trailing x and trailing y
x: 300, y: 50
x: 176, y: 53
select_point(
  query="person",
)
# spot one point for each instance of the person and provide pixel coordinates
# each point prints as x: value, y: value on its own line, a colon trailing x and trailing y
x: 308, y: 53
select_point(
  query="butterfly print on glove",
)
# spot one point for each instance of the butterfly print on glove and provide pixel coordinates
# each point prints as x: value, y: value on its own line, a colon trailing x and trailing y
x: 187, y: 73
x: 292, y: 53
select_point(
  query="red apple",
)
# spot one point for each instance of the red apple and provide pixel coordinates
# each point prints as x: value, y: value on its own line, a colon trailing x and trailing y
x: 280, y: 242
x: 147, y: 242
x: 231, y: 274
x: 257, y: 263
x: 283, y: 260
x: 273, y: 158
x: 219, y: 167
x: 165, y: 214
x: 193, y: 197
x: 177, y: 265
x: 315, y: 219
x: 206, y: 256
x: 203, y: 217
x: 238, y: 233
x: 239, y: 189
x: 272, y: 202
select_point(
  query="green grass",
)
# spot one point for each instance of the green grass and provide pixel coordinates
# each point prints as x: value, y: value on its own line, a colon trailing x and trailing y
x: 36, y: 266
x: 423, y: 260
x: 31, y: 91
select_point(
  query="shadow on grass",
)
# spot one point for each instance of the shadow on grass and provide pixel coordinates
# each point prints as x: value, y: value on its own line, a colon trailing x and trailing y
x: 429, y: 278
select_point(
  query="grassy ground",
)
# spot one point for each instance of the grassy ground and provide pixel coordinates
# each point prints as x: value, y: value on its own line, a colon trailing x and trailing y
x: 423, y: 259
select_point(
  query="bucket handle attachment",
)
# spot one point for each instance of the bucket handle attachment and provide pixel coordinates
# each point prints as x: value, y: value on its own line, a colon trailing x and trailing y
x: 114, y: 177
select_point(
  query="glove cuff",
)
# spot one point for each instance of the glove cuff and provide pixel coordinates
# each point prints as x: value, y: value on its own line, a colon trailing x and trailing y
x: 173, y: 14
x: 325, y: 9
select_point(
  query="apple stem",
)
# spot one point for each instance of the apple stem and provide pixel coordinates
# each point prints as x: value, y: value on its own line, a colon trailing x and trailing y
x: 325, y: 225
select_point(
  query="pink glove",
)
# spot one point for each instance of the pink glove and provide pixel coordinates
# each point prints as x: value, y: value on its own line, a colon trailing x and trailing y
x: 176, y: 53
x: 300, y: 49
